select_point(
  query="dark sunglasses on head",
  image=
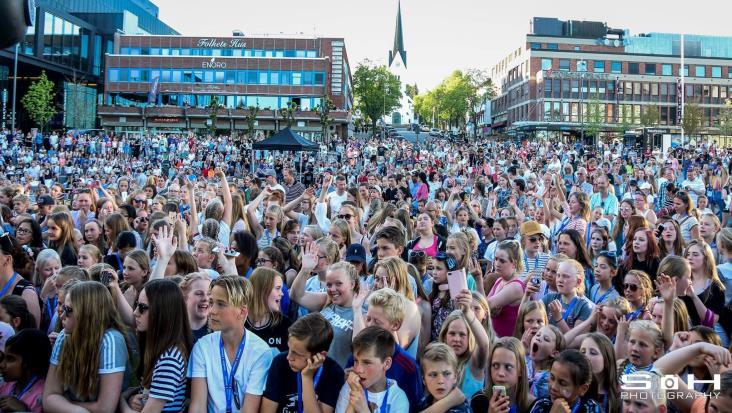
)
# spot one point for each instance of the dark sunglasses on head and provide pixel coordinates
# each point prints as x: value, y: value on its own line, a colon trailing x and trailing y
x: 632, y: 287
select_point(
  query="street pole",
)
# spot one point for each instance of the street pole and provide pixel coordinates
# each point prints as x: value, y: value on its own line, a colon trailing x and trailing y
x: 683, y: 89
x: 582, y: 99
x: 15, y: 88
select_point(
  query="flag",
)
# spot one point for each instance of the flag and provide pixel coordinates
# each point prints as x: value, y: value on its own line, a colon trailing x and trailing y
x: 151, y: 96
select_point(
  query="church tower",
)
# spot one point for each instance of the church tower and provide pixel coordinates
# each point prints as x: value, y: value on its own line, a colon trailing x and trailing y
x: 404, y: 114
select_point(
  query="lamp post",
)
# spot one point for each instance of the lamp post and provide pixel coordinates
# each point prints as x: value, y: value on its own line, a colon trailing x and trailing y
x: 15, y: 89
x: 582, y: 68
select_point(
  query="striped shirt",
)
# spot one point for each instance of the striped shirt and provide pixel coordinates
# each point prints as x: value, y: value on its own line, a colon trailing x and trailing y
x: 169, y: 380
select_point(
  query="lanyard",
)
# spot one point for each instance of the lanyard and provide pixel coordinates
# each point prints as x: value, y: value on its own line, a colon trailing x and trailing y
x: 588, y: 235
x: 536, y: 262
x: 631, y: 368
x: 602, y: 297
x: 569, y: 309
x: 51, y: 305
x: 316, y: 379
x: 577, y: 405
x: 229, y: 377
x: 634, y: 315
x: 7, y: 285
x: 27, y: 387
x: 383, y: 408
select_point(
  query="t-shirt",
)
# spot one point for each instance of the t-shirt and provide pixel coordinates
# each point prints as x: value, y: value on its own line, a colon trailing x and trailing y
x: 314, y: 285
x: 282, y: 384
x: 197, y: 334
x: 580, y: 311
x: 169, y: 380
x: 336, y: 200
x: 341, y: 319
x: 598, y: 298
x: 275, y: 336
x: 544, y: 405
x: 686, y: 224
x: 251, y: 375
x: 112, y: 357
x: 396, y: 401
x: 33, y: 397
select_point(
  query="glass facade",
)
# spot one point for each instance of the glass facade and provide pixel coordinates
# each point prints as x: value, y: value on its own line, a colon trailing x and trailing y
x: 670, y: 45
x: 167, y: 51
x: 65, y: 43
x: 546, y: 64
x: 228, y: 101
x: 246, y: 77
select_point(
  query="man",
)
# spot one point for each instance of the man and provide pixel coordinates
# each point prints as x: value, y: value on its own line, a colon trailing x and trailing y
x: 581, y: 182
x: 603, y: 198
x: 339, y: 196
x: 271, y: 179
x: 293, y: 188
x: 390, y: 193
x: 693, y: 184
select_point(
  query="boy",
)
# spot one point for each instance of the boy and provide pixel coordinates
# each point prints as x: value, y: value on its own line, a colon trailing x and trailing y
x: 225, y: 377
x: 304, y: 379
x: 389, y: 241
x: 386, y: 310
x: 440, y: 378
x: 367, y: 387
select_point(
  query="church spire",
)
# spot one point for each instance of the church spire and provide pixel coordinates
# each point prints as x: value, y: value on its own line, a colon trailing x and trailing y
x: 398, y: 39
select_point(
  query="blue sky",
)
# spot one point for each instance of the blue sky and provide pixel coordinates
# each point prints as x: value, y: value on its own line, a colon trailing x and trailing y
x: 440, y: 36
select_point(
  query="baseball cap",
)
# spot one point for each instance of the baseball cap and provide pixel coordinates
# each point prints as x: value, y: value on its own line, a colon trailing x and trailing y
x: 270, y: 172
x: 356, y: 252
x: 530, y: 228
x: 45, y: 200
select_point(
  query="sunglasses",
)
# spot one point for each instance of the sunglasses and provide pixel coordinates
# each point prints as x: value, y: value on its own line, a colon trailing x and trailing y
x: 345, y: 216
x: 139, y: 201
x: 142, y: 308
x: 417, y: 253
x: 534, y: 239
x: 632, y: 287
x: 66, y: 310
x: 143, y: 218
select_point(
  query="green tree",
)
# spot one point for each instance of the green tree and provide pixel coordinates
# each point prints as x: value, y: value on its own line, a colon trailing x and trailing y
x: 288, y: 113
x: 411, y: 90
x: 213, y: 113
x: 479, y: 90
x: 39, y: 100
x: 251, y: 120
x: 725, y: 118
x: 594, y: 119
x: 692, y: 120
x: 376, y: 91
x: 323, y: 111
x: 649, y: 116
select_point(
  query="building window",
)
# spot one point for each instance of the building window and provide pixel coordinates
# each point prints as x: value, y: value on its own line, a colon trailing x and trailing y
x: 700, y: 71
x: 667, y: 70
x: 650, y: 68
x: 686, y: 70
x: 564, y: 65
x: 717, y: 71
x: 599, y: 66
x: 535, y: 46
x: 633, y: 68
x: 553, y: 46
x: 546, y: 64
x: 616, y: 67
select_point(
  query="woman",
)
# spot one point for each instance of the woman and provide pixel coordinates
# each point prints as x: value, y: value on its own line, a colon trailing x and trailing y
x: 704, y: 298
x: 340, y: 233
x: 165, y: 341
x: 504, y: 298
x: 195, y: 288
x: 238, y: 214
x: 114, y: 225
x: 570, y: 243
x: 89, y: 356
x: 94, y: 234
x: 135, y: 273
x: 105, y: 208
x: 642, y: 254
x: 352, y: 215
x: 577, y: 213
x: 687, y: 222
x: 28, y: 233
x: 61, y: 237
x: 671, y: 242
x: 265, y: 318
x: 12, y: 258
x: 709, y: 226
x: 626, y: 210
x: 640, y: 201
x: 426, y: 240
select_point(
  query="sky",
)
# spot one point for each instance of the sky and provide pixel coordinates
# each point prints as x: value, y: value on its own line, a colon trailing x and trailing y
x: 440, y: 36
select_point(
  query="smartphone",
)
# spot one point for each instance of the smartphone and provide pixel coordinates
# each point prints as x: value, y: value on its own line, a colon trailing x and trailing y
x: 106, y: 278
x: 536, y: 277
x: 231, y: 253
x: 499, y: 389
x: 457, y: 281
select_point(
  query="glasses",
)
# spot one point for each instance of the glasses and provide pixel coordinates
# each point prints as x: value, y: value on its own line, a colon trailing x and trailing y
x: 139, y: 201
x: 141, y: 308
x: 66, y: 310
x: 632, y: 287
x: 534, y: 239
x: 345, y: 216
x: 143, y: 218
x: 261, y: 261
x: 417, y: 253
x: 322, y: 257
x: 22, y: 231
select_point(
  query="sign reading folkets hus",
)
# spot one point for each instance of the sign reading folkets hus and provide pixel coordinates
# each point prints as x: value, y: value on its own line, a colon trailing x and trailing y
x: 216, y: 43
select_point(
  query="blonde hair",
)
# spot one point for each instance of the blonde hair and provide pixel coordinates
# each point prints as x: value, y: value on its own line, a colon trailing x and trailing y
x: 487, y: 323
x: 724, y: 240
x: 44, y: 257
x: 263, y: 280
x: 710, y: 266
x: 463, y: 245
x: 93, y: 251
x: 397, y: 274
x: 330, y: 249
x: 437, y: 352
x: 525, y: 309
x: 238, y: 289
x: 465, y: 357
x: 649, y: 327
x: 391, y: 302
x: 190, y: 278
x: 579, y: 271
x: 514, y: 346
x: 515, y: 254
x: 645, y: 284
x: 343, y: 229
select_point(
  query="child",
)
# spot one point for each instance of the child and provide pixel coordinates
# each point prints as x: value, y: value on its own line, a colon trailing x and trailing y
x: 24, y: 369
x: 88, y: 255
x: 223, y: 376
x: 644, y: 345
x: 386, y: 308
x: 367, y: 389
x: 601, y: 355
x: 531, y: 317
x: 440, y: 379
x: 507, y: 369
x: 304, y: 378
x: 603, y: 319
x: 638, y: 290
x: 571, y: 377
x: 440, y: 300
x: 606, y: 268
x: 567, y: 306
x: 545, y: 346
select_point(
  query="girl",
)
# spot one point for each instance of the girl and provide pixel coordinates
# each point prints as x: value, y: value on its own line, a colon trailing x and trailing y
x: 671, y: 242
x: 292, y: 232
x: 224, y: 377
x: 12, y: 260
x: 440, y: 300
x: 135, y: 274
x: 195, y: 288
x: 687, y: 222
x: 626, y: 209
x: 547, y: 343
x: 14, y: 312
x: 606, y: 268
x: 706, y: 305
x: 458, y: 245
x: 638, y: 345
x: 570, y: 379
x: 203, y: 254
x: 29, y: 233
x: 570, y: 243
x: 482, y: 311
x: 325, y: 252
x: 504, y: 298
x: 638, y: 290
x: 709, y: 226
x: 89, y: 356
x: 165, y: 341
x: 291, y: 258
x: 61, y: 237
x: 352, y: 215
x: 599, y: 242
x: 88, y: 256
x: 270, y: 228
x: 340, y: 233
x: 462, y: 331
x: 643, y: 253
x: 24, y: 368
x: 568, y: 305
x: 426, y: 240
x: 114, y: 225
x: 265, y: 318
x: 507, y: 368
x: 48, y: 264
x: 600, y: 353
x: 532, y: 317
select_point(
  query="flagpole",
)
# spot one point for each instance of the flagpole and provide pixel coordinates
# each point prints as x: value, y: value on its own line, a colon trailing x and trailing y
x: 683, y: 88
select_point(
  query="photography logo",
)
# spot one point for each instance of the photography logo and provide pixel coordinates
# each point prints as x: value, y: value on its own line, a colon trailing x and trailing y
x: 642, y: 386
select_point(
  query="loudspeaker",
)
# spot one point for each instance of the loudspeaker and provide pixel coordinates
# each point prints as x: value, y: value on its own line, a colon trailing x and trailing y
x: 15, y: 17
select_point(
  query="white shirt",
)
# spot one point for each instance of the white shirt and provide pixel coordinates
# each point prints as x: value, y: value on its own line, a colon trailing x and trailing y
x: 336, y: 201
x: 397, y: 401
x: 251, y: 375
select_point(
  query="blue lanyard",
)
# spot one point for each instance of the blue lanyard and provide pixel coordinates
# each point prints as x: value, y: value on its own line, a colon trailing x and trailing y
x: 536, y: 262
x: 634, y: 315
x: 630, y: 368
x: 51, y: 305
x: 229, y: 378
x: 316, y: 379
x: 7, y: 285
x: 569, y: 309
x: 577, y: 405
x: 512, y: 409
x: 602, y: 297
x: 383, y: 408
x: 604, y: 402
x: 27, y: 387
x: 589, y: 234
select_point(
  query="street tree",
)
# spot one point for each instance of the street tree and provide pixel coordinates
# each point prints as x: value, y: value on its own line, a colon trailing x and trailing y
x: 39, y: 100
x: 595, y: 118
x: 323, y: 111
x: 692, y: 120
x: 480, y: 89
x: 251, y: 120
x: 649, y: 116
x: 376, y: 91
x: 213, y: 113
x: 725, y: 119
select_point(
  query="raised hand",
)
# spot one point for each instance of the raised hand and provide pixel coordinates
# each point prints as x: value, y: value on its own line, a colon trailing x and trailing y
x: 358, y: 300
x: 464, y: 301
x: 309, y: 256
x: 719, y: 353
x: 165, y: 242
x: 666, y: 287
x: 681, y: 339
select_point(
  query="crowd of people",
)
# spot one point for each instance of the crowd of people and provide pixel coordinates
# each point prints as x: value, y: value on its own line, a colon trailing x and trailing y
x: 170, y: 274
